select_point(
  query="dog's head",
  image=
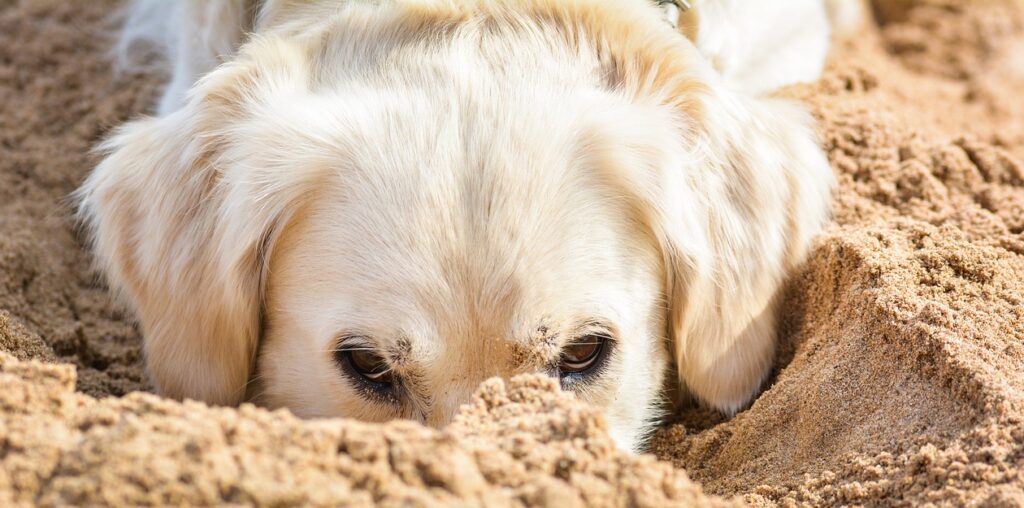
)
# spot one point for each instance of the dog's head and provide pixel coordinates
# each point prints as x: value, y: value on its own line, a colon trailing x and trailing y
x: 368, y: 223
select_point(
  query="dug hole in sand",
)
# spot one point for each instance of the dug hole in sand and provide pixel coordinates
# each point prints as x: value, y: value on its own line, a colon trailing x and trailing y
x: 900, y: 375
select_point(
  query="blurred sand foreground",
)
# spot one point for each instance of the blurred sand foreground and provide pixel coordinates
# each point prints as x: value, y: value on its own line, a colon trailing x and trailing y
x: 900, y: 376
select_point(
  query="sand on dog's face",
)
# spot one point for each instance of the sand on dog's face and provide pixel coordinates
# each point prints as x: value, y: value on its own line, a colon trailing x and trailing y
x: 900, y: 376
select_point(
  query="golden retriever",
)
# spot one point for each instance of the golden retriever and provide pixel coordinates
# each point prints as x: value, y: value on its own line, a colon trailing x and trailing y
x: 366, y: 208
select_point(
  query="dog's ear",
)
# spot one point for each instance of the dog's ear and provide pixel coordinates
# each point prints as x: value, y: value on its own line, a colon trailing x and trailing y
x: 757, y: 190
x: 181, y: 224
x: 733, y: 189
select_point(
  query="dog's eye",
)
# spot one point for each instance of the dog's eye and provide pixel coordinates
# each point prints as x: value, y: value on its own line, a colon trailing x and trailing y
x: 582, y: 355
x: 370, y: 366
x: 366, y: 364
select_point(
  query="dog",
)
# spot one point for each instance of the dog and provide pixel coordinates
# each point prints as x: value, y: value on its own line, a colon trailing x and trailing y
x: 366, y: 208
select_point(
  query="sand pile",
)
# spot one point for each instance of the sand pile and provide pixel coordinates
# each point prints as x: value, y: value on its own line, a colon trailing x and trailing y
x: 525, y: 444
x: 900, y: 374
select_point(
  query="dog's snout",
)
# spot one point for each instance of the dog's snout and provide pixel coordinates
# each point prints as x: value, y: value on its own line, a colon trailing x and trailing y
x: 444, y: 408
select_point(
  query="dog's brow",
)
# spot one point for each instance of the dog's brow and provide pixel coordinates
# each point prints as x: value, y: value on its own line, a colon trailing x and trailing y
x: 540, y: 347
x: 399, y: 354
x: 596, y: 326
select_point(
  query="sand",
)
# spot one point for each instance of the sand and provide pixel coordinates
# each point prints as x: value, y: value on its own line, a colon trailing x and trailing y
x: 900, y: 377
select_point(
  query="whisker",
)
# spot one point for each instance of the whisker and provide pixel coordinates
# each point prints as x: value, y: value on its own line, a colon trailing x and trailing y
x: 244, y: 388
x: 335, y: 350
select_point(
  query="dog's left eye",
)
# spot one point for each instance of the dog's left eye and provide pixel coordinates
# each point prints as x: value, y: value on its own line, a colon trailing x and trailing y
x: 582, y: 355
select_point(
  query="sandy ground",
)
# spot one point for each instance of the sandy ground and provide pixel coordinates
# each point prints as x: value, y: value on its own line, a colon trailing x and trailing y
x: 900, y: 377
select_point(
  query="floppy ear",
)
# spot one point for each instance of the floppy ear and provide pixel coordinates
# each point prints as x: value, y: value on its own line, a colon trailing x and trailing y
x: 762, y: 187
x: 181, y: 224
x: 157, y: 213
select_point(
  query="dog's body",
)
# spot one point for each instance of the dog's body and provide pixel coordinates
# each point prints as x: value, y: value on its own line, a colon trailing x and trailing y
x: 391, y: 201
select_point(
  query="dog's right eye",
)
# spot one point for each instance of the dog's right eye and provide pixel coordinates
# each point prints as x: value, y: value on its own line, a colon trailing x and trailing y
x: 370, y: 366
x: 365, y: 366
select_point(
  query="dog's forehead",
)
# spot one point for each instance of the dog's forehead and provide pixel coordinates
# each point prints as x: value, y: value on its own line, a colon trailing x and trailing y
x: 423, y: 259
x: 452, y: 218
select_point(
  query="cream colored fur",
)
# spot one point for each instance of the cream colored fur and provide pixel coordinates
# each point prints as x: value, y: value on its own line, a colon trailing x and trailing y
x: 466, y: 186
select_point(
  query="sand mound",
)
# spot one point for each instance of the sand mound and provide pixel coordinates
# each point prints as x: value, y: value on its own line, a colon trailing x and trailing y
x: 526, y: 444
x: 900, y: 374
